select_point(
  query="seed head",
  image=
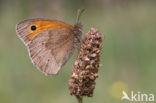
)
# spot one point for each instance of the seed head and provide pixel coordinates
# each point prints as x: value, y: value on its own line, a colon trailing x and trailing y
x: 85, y: 70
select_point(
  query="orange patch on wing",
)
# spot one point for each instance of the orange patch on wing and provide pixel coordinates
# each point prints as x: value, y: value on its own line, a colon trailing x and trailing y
x: 45, y: 24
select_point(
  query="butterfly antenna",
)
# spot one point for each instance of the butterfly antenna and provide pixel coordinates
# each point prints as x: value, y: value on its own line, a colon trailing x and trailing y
x: 79, y: 12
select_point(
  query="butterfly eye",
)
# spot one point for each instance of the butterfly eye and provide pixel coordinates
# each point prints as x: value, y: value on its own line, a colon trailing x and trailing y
x: 33, y: 27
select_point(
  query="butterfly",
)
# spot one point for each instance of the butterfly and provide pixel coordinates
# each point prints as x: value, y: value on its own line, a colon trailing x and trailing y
x: 50, y: 43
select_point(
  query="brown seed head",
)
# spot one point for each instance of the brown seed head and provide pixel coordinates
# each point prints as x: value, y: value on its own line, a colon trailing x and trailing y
x: 85, y: 70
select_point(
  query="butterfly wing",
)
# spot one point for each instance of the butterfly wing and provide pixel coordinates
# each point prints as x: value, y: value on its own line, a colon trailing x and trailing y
x: 25, y: 33
x: 50, y: 49
x: 50, y: 46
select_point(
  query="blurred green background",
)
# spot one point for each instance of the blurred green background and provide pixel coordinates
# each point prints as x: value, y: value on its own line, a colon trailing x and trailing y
x: 128, y: 55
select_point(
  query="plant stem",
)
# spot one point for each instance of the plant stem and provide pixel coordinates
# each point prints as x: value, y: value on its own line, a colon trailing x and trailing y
x: 79, y: 100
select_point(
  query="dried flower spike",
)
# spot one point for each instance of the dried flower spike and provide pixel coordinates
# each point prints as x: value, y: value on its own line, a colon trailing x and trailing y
x: 85, y: 70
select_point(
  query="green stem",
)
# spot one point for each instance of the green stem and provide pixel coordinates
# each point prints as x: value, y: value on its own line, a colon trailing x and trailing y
x: 79, y: 100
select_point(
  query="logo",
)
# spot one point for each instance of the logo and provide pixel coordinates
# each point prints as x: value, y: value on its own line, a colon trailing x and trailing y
x: 138, y: 96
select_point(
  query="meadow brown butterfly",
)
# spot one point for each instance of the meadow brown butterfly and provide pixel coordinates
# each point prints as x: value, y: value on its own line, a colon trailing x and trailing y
x: 50, y: 43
